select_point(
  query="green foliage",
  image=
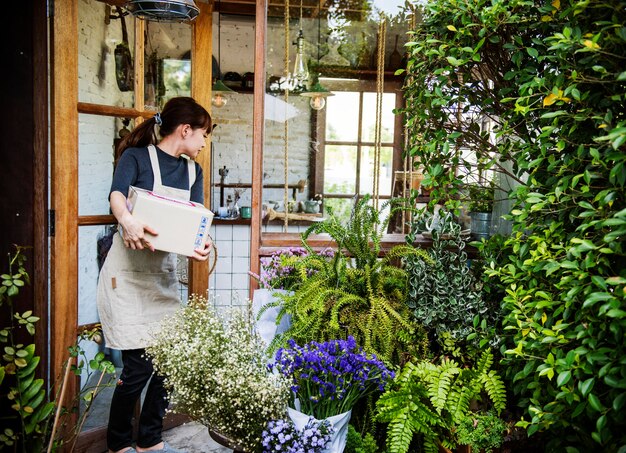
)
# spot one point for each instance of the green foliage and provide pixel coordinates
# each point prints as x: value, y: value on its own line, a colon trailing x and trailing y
x: 550, y: 76
x: 355, y: 292
x: 355, y: 443
x: 28, y: 426
x: 28, y: 423
x: 431, y: 400
x: 481, y: 197
x: 444, y: 294
x: 482, y: 432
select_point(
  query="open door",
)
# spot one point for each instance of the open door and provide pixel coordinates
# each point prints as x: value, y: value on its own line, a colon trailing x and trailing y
x: 90, y: 111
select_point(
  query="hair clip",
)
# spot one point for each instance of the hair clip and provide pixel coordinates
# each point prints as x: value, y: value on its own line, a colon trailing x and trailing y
x: 157, y: 119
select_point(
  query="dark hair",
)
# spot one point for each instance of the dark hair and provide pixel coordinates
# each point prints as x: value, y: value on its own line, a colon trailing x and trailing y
x: 177, y: 111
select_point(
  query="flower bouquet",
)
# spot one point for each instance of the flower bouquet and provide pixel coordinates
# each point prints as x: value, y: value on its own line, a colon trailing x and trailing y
x: 215, y: 370
x: 327, y: 380
x: 283, y: 436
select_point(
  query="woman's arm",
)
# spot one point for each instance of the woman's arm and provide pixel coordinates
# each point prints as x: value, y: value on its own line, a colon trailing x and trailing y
x: 132, y: 230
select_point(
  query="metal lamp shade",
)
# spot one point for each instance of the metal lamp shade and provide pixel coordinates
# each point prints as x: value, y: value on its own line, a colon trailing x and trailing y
x: 219, y: 87
x: 164, y: 10
x: 318, y: 95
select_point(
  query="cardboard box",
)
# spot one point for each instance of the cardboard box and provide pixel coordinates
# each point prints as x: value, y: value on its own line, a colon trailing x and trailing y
x: 182, y: 225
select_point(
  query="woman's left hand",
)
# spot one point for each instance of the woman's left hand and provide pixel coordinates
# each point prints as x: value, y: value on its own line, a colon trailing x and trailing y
x: 203, y: 254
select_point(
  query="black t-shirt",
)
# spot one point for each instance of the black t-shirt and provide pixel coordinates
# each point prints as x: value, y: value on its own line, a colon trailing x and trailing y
x: 134, y: 169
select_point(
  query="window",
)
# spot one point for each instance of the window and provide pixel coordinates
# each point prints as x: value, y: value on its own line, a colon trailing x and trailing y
x: 347, y: 134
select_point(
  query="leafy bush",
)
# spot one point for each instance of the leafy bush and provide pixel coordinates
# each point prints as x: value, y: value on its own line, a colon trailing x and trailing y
x: 550, y: 77
x: 355, y: 443
x: 482, y: 432
x: 443, y: 293
x: 36, y: 421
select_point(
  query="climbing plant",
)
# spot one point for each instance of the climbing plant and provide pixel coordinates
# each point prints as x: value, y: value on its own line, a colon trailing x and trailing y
x: 551, y: 79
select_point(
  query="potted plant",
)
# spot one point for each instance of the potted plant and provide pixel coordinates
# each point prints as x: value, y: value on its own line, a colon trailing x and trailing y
x: 355, y: 292
x: 216, y: 373
x: 37, y: 419
x: 443, y: 293
x: 277, y: 276
x: 481, y: 199
x: 284, y: 436
x: 327, y: 380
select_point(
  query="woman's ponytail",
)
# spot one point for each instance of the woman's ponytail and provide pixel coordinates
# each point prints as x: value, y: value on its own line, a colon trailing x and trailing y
x: 142, y: 135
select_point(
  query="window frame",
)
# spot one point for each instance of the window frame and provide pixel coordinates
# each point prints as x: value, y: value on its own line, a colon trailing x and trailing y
x: 318, y: 135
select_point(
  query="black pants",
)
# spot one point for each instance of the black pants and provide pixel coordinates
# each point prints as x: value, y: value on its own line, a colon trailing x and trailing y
x: 136, y: 373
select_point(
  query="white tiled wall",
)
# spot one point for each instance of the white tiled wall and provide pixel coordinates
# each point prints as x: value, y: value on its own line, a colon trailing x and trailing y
x: 230, y: 281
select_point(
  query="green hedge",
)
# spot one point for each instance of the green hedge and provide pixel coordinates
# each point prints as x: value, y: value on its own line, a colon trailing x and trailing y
x: 552, y: 76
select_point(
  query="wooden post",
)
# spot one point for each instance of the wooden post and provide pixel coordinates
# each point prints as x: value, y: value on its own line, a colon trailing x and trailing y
x: 201, y: 66
x: 258, y: 128
x: 64, y: 190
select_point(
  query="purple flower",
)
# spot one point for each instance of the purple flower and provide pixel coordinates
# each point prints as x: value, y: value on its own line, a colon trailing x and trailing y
x: 329, y: 378
x: 282, y: 435
x: 279, y: 270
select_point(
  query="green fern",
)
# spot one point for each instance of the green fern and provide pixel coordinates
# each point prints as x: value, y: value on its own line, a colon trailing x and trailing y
x: 356, y: 292
x: 430, y: 400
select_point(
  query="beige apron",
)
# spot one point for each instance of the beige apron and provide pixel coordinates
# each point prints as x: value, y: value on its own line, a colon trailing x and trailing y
x: 138, y: 288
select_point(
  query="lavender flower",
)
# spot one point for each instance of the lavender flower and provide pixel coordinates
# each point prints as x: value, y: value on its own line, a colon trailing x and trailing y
x: 282, y: 436
x: 278, y: 271
x: 329, y: 378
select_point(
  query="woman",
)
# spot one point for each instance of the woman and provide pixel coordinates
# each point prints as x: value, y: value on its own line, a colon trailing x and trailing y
x: 138, y: 286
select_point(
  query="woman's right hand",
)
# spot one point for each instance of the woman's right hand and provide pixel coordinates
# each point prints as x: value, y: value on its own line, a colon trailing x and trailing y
x: 133, y: 233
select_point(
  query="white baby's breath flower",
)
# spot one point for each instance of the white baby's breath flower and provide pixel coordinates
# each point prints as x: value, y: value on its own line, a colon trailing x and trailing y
x: 215, y: 370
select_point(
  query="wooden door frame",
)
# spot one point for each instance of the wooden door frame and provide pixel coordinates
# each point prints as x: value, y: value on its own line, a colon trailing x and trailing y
x: 64, y: 111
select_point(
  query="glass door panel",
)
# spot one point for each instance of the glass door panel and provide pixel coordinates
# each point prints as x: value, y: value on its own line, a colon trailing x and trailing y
x: 97, y: 138
x: 106, y: 46
x: 167, y: 63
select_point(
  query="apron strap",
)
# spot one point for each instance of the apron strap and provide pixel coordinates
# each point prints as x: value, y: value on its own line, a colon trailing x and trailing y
x: 154, y: 161
x: 191, y: 169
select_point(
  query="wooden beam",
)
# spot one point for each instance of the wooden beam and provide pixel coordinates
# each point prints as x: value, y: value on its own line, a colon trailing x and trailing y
x: 258, y: 137
x: 40, y: 164
x: 201, y: 77
x: 64, y: 190
x: 112, y: 110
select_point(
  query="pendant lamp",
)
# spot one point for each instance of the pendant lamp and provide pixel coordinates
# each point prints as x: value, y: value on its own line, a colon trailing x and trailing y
x: 318, y: 95
x: 164, y: 10
x: 218, y: 90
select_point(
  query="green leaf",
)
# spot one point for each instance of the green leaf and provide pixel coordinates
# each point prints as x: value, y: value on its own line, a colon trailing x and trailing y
x: 563, y: 378
x: 595, y: 403
x: 586, y: 386
x: 596, y: 297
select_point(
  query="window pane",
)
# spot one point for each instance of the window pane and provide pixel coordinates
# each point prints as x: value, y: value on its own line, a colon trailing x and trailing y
x: 369, y: 117
x: 167, y: 65
x: 385, y: 173
x: 105, y: 55
x: 342, y: 117
x: 340, y: 169
x: 341, y: 207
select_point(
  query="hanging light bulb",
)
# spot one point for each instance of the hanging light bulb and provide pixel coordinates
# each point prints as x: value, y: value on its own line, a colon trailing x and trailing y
x: 318, y: 95
x: 300, y: 71
x: 218, y: 90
